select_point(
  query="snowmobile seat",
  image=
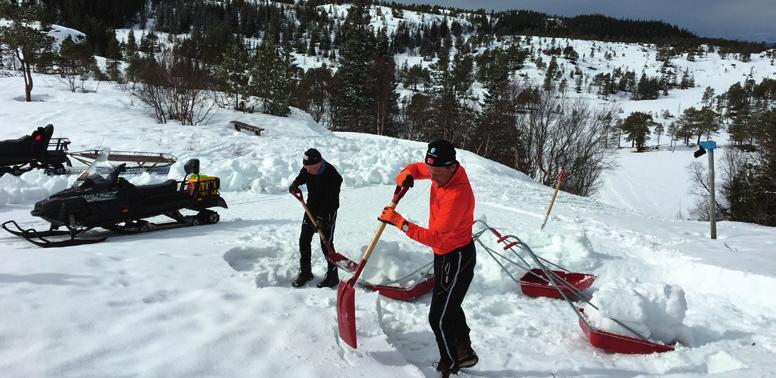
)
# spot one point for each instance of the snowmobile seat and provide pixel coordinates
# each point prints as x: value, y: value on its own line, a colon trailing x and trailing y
x: 155, y: 190
x: 40, y: 139
x: 19, y: 147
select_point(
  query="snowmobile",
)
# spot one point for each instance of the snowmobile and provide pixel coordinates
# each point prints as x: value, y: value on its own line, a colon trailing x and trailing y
x: 36, y: 151
x: 117, y: 205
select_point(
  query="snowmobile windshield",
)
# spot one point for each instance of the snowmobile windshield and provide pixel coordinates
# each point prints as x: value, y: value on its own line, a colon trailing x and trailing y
x: 91, y: 170
x: 91, y: 181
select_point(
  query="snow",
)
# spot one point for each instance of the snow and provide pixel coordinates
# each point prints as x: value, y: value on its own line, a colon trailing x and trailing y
x: 652, y: 310
x: 669, y: 195
x: 216, y: 300
x: 58, y: 32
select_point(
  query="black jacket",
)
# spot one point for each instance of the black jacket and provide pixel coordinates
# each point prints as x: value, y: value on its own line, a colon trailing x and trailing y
x: 322, y: 190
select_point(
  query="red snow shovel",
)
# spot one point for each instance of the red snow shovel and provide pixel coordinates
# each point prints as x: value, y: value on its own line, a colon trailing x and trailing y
x: 346, y: 295
x: 335, y: 258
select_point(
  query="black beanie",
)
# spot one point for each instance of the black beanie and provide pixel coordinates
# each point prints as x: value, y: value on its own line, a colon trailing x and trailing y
x: 441, y: 153
x: 311, y: 156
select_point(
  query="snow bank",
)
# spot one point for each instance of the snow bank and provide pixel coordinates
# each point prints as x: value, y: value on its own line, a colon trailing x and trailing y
x: 391, y: 261
x: 31, y: 186
x: 654, y: 310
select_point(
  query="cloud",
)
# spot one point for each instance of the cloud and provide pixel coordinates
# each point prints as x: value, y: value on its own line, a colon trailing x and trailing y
x: 753, y: 20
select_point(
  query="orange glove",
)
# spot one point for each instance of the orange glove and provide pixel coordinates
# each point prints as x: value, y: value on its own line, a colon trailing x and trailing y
x: 405, y: 178
x: 390, y: 216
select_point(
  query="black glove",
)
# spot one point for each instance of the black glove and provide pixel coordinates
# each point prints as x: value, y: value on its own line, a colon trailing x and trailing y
x: 405, y: 179
x: 293, y: 188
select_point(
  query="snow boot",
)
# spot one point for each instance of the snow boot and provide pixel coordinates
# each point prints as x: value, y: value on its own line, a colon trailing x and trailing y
x: 302, y: 278
x: 466, y: 355
x: 444, y: 370
x: 331, y: 279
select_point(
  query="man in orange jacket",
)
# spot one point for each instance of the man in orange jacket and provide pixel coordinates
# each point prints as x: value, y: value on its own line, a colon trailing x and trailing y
x: 449, y: 234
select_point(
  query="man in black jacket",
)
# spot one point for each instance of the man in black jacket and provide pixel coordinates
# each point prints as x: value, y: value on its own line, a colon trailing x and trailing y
x: 323, y: 188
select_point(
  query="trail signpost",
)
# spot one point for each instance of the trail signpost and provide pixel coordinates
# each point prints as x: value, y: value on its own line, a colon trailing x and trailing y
x: 710, y: 146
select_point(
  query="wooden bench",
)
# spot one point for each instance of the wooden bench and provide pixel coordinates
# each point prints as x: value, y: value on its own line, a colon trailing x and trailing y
x: 244, y: 126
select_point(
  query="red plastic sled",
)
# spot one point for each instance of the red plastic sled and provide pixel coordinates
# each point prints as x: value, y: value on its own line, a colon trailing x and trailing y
x: 535, y: 283
x: 402, y: 294
x: 614, y: 343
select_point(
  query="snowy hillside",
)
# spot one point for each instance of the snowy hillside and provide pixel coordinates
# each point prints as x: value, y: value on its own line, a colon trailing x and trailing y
x: 216, y: 300
x: 669, y: 196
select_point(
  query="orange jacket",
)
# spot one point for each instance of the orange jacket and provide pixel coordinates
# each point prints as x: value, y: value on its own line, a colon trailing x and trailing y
x: 452, y: 212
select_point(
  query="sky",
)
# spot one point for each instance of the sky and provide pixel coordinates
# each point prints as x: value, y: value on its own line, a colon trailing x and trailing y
x: 751, y: 20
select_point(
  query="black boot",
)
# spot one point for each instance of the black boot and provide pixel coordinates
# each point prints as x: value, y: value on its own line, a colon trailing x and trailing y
x: 445, y: 370
x: 466, y: 356
x: 302, y: 278
x: 330, y: 280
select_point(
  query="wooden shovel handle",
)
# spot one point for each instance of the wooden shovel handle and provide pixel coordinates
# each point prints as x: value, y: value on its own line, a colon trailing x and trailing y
x: 298, y: 195
x: 398, y: 193
x: 554, y: 195
x: 397, y: 196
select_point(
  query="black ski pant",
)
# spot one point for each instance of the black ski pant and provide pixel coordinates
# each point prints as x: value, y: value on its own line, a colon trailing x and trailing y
x: 306, y: 237
x: 453, y: 272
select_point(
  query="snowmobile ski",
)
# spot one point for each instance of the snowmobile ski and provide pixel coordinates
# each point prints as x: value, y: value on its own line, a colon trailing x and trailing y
x: 51, y: 238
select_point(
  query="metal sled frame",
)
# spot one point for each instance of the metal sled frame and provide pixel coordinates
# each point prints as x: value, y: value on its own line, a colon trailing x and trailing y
x: 535, y: 282
x: 610, y: 342
x: 142, y: 161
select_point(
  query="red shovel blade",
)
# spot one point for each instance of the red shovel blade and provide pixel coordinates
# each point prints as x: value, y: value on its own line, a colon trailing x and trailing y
x: 346, y: 313
x: 340, y: 261
x: 346, y: 295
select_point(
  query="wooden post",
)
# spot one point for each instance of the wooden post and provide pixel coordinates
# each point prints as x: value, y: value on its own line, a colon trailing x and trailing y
x: 555, y: 194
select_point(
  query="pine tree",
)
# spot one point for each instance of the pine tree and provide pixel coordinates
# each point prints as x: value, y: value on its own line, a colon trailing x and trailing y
x: 31, y: 46
x: 549, y: 75
x: 384, y: 86
x: 699, y: 122
x: 659, y: 129
x: 313, y: 92
x: 570, y: 54
x: 444, y: 99
x: 283, y: 85
x: 313, y: 42
x: 708, y: 98
x: 131, y: 44
x: 273, y: 78
x: 636, y: 128
x: 416, y: 75
x: 75, y: 61
x: 232, y: 73
x: 353, y: 106
x: 495, y: 137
